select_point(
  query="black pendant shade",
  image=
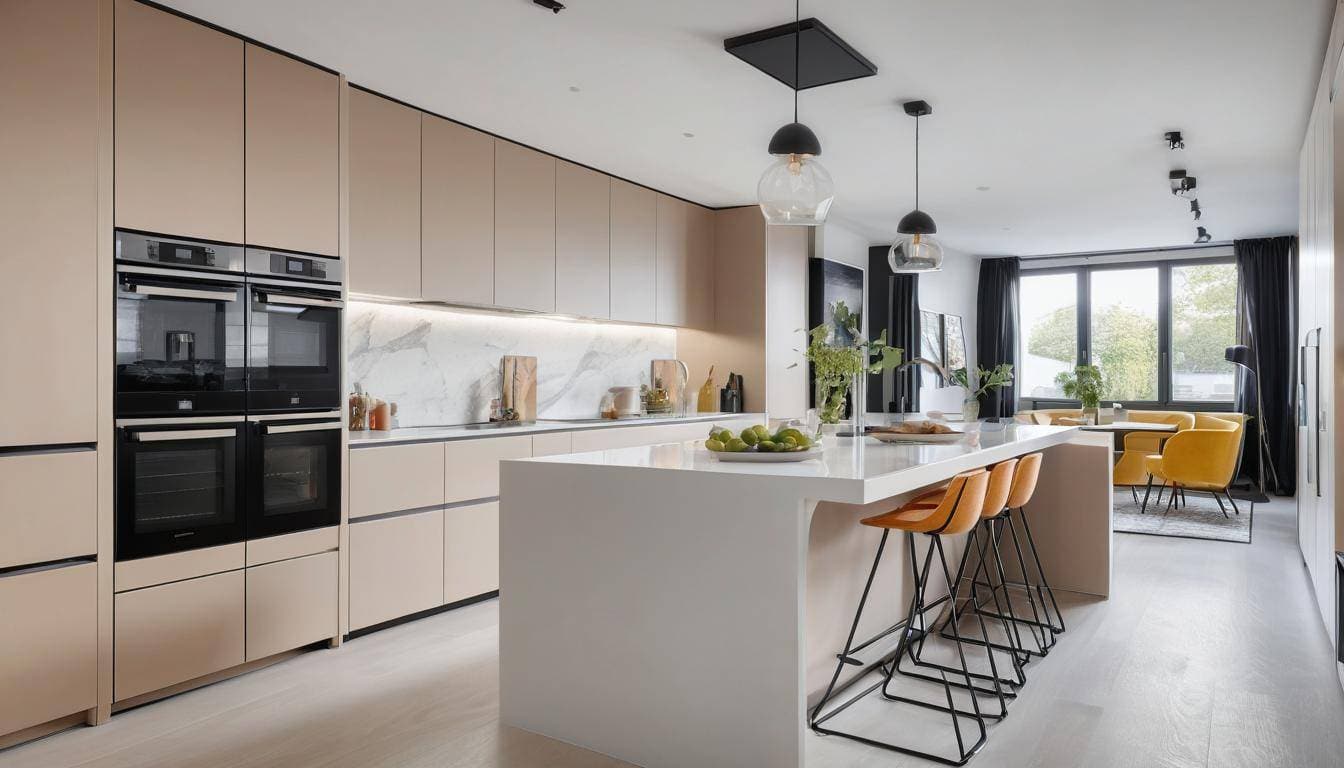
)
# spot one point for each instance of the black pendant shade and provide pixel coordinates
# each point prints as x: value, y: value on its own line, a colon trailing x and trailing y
x: 795, y: 139
x: 917, y: 222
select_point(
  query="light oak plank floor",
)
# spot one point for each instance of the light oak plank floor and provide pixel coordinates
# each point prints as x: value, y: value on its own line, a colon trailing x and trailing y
x: 1208, y: 654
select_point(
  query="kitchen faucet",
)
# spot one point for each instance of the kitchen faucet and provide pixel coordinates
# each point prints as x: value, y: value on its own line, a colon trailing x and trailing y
x: 940, y: 370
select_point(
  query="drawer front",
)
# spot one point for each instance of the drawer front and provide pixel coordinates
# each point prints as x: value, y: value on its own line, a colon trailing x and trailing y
x: 395, y: 477
x: 48, y: 645
x: 552, y: 443
x: 291, y: 545
x: 608, y: 438
x: 48, y: 507
x: 396, y: 567
x: 177, y: 632
x: 472, y: 466
x: 179, y: 566
x: 290, y: 604
x: 470, y: 551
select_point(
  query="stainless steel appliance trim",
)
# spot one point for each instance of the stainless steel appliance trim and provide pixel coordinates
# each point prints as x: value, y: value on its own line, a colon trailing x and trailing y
x: 185, y: 293
x: 258, y: 262
x: 324, y: 287
x: 264, y: 417
x: 280, y: 429
x: 188, y: 273
x: 184, y: 434
x: 134, y: 246
x: 168, y: 421
x: 275, y: 297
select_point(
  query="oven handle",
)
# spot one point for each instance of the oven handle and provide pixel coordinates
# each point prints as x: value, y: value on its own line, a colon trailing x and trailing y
x: 185, y: 293
x: 183, y: 434
x: 280, y: 429
x: 301, y: 301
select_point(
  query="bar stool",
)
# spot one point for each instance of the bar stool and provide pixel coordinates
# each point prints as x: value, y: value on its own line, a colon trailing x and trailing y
x: 957, y: 513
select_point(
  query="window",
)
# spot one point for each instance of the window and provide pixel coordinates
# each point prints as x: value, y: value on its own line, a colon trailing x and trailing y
x: 1156, y: 330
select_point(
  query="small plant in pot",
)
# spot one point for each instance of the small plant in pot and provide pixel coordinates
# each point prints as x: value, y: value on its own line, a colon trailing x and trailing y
x: 837, y: 366
x: 1084, y: 384
x: 983, y: 382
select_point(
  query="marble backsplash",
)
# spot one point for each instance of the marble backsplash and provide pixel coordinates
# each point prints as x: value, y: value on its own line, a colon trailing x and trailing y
x: 442, y: 366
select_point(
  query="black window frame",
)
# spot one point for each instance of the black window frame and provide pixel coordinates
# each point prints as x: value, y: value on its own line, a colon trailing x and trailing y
x: 1082, y: 280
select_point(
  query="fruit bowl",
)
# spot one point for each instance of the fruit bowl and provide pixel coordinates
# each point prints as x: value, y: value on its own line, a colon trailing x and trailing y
x: 758, y: 444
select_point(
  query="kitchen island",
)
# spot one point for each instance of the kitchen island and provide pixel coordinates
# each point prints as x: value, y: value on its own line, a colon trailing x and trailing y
x: 667, y: 609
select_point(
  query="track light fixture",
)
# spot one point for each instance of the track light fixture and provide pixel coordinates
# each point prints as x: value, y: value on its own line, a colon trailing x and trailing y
x: 1181, y: 184
x: 550, y: 5
x: 1202, y: 235
x: 1194, y: 209
x: 1174, y: 140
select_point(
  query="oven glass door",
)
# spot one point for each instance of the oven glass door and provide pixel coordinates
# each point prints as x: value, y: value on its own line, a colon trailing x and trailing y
x: 180, y: 345
x: 178, y: 487
x: 295, y: 477
x: 294, y: 349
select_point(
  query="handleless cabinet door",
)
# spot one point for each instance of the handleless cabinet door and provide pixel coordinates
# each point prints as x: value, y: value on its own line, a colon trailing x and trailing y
x: 634, y: 249
x: 49, y: 216
x: 179, y: 126
x: 396, y: 567
x: 293, y: 154
x: 290, y: 604
x: 582, y: 241
x: 395, y: 478
x: 552, y: 444
x: 471, y: 467
x: 524, y: 228
x: 700, y: 268
x: 384, y: 197
x: 458, y: 191
x: 470, y: 551
x: 48, y: 507
x: 673, y: 260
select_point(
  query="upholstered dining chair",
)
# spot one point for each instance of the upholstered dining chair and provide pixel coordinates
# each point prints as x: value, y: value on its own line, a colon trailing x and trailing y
x: 1201, y: 459
x: 1131, y: 470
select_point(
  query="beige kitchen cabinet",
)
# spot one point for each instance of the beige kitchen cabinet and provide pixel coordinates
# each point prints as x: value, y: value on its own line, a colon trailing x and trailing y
x: 179, y: 566
x: 472, y: 466
x: 287, y: 546
x: 524, y: 228
x: 48, y: 645
x: 384, y: 197
x: 552, y: 443
x: 674, y: 262
x: 470, y: 551
x: 49, y: 164
x: 392, y: 478
x: 613, y: 437
x: 290, y: 604
x: 292, y: 129
x: 582, y: 241
x: 700, y: 267
x: 179, y: 126
x: 457, y: 189
x: 177, y: 632
x: 48, y: 506
x: 396, y: 567
x: 634, y: 252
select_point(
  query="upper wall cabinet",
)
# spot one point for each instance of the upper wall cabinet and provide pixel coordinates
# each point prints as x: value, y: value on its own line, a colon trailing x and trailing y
x: 700, y: 267
x: 293, y: 154
x: 524, y: 228
x: 634, y: 252
x: 384, y: 197
x: 179, y: 126
x: 458, y: 208
x: 49, y: 182
x: 674, y: 223
x: 582, y: 241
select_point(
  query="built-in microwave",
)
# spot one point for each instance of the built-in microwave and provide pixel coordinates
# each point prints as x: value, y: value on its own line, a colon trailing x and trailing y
x: 294, y: 332
x: 294, y: 472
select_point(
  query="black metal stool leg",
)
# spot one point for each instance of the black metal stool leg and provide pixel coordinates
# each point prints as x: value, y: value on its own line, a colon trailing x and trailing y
x: 1040, y: 571
x: 1035, y: 622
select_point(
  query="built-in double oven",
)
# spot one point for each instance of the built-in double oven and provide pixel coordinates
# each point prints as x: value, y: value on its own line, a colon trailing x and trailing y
x: 227, y: 393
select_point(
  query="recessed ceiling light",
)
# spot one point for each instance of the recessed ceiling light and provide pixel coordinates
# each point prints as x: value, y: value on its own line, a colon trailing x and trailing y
x: 982, y: 189
x: 688, y: 134
x: 574, y: 89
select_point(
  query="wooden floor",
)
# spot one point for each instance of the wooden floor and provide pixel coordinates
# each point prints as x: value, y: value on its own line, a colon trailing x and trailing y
x: 1208, y: 654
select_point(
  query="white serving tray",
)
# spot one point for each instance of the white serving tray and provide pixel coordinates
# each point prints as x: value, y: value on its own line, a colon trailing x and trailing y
x: 769, y: 458
x: 911, y: 437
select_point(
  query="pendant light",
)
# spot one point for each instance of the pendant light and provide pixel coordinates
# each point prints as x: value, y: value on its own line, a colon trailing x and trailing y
x: 796, y: 188
x: 916, y: 250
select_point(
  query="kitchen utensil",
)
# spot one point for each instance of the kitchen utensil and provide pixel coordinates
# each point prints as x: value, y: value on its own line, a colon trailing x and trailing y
x: 730, y: 397
x: 705, y: 402
x: 626, y: 401
x: 518, y: 386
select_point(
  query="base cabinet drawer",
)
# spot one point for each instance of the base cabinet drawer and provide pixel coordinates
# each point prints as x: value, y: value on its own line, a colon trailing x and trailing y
x: 396, y: 567
x: 177, y: 632
x: 391, y: 478
x: 48, y: 645
x: 472, y: 466
x: 290, y: 604
x: 470, y: 551
x: 48, y: 507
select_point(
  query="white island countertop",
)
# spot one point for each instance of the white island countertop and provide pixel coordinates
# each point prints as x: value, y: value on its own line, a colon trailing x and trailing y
x: 845, y: 472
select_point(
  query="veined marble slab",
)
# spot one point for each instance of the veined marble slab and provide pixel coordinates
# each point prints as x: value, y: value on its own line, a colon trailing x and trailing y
x: 442, y: 366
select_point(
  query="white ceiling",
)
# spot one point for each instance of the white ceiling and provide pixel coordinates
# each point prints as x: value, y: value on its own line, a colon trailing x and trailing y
x: 1058, y: 106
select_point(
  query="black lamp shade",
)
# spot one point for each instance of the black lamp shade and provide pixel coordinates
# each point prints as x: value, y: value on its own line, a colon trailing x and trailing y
x: 917, y: 222
x: 1241, y: 355
x: 795, y: 139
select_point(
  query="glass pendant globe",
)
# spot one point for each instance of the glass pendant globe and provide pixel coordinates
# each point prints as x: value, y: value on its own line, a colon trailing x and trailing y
x: 795, y: 189
x: 915, y: 253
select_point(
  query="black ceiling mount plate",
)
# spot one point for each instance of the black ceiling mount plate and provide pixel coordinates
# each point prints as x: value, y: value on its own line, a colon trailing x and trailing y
x: 917, y: 108
x: 823, y: 58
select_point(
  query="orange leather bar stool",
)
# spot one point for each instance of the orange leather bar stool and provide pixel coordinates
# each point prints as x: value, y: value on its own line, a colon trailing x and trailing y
x: 1024, y: 487
x: 957, y: 512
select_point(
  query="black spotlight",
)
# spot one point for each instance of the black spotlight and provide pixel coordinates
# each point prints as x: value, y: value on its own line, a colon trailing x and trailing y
x: 1204, y: 235
x: 1174, y: 140
x: 1181, y: 184
x: 1194, y: 208
x: 550, y: 5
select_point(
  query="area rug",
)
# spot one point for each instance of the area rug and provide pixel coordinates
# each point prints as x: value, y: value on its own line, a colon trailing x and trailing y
x: 1198, y: 518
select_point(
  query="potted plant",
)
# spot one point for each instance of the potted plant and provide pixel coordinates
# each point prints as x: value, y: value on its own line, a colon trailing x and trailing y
x: 982, y: 384
x: 1084, y: 384
x: 838, y: 368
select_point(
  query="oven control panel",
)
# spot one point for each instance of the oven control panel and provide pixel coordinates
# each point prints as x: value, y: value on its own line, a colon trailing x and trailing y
x: 176, y: 252
x: 299, y: 266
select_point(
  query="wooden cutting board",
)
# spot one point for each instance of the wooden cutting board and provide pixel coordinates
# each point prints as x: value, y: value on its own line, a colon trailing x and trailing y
x: 518, y: 385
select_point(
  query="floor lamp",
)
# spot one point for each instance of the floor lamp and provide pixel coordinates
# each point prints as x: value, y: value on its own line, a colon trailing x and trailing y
x: 1241, y: 355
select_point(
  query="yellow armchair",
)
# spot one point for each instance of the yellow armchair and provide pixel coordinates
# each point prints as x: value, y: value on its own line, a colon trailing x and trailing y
x: 1201, y: 459
x: 1131, y: 469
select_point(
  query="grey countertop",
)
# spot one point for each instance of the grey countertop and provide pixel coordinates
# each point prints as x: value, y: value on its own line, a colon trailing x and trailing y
x: 473, y: 432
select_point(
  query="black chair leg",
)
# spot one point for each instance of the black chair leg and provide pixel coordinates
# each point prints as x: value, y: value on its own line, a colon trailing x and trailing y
x: 1040, y: 571
x: 1220, y: 505
x: 1232, y: 501
x: 1143, y: 508
x: 1046, y: 626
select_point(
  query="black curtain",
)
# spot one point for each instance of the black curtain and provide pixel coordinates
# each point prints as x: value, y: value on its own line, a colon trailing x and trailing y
x: 996, y: 329
x: 893, y: 306
x: 1267, y: 272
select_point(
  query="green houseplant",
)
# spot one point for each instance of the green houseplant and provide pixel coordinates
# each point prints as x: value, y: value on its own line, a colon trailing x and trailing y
x: 1085, y: 384
x: 836, y: 367
x: 983, y: 382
